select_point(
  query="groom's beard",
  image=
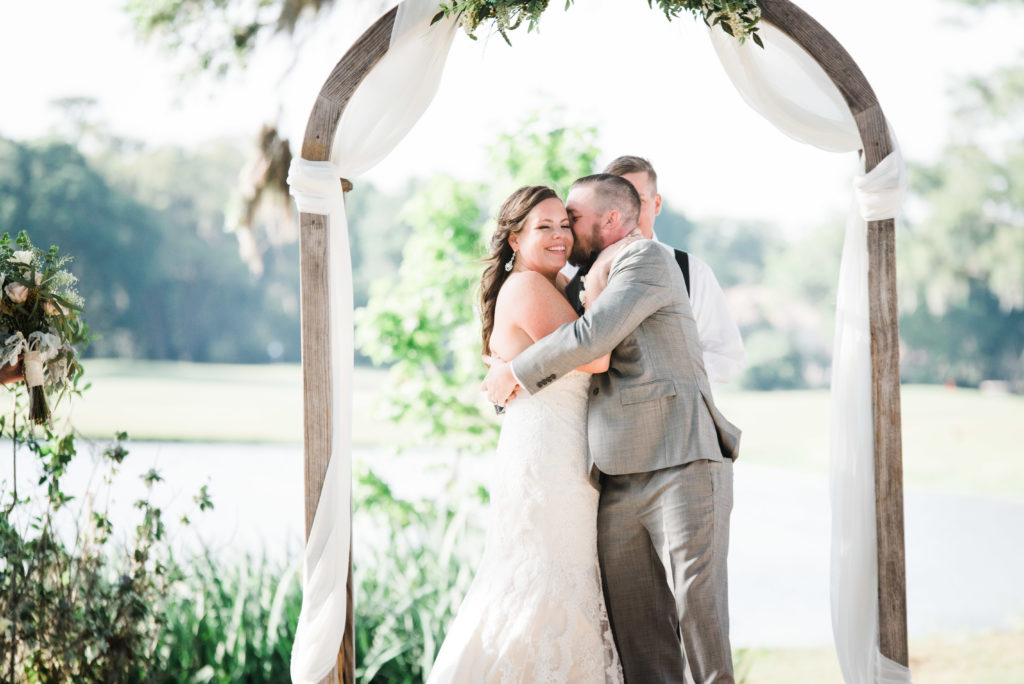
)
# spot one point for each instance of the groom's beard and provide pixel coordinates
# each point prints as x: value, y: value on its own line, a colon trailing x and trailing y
x: 582, y: 256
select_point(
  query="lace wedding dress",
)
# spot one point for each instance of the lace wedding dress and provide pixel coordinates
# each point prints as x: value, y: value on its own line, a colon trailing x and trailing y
x: 535, y: 612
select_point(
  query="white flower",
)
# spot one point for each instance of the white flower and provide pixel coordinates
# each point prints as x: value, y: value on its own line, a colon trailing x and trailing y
x: 23, y: 256
x: 17, y: 292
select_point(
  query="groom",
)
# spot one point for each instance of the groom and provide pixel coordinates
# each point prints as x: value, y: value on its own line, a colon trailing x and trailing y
x: 660, y: 447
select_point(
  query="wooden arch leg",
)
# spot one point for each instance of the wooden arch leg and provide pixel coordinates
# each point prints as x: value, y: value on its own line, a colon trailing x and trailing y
x: 885, y: 369
x: 316, y: 389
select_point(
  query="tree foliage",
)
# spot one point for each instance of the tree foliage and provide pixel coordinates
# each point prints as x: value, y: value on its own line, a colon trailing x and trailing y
x: 219, y: 35
x: 160, y: 276
x: 962, y: 260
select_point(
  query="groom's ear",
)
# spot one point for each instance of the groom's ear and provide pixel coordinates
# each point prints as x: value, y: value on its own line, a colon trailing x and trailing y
x: 613, y: 219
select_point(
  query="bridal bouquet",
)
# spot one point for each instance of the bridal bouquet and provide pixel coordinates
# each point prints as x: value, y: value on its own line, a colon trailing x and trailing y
x: 39, y: 319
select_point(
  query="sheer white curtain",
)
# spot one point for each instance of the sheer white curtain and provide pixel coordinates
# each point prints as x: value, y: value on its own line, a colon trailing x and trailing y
x: 381, y: 112
x: 786, y: 86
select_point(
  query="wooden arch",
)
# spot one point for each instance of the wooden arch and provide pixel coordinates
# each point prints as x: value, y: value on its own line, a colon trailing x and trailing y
x: 885, y: 379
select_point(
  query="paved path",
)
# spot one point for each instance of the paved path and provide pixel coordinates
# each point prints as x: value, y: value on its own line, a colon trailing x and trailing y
x: 965, y: 555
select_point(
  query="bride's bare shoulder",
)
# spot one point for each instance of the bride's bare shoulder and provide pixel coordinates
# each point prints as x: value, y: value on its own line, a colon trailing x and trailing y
x: 529, y: 285
x: 531, y: 301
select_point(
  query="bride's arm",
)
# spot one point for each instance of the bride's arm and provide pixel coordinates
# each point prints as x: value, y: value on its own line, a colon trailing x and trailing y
x: 538, y: 309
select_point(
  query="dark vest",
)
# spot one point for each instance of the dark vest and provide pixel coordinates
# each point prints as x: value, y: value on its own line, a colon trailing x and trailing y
x: 572, y: 290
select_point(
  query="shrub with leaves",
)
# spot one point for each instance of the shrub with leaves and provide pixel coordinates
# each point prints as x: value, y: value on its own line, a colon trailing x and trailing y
x: 76, y: 609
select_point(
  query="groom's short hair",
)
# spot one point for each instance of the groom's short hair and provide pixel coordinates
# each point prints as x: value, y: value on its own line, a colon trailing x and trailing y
x: 613, y: 192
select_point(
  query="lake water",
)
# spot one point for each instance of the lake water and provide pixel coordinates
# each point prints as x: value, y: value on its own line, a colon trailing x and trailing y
x: 964, y: 554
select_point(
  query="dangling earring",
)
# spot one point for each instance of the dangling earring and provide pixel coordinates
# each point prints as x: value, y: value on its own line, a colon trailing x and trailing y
x: 511, y: 262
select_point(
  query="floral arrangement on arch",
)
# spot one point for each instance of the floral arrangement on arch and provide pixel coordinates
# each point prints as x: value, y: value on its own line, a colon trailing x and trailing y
x: 738, y: 18
x: 39, y: 320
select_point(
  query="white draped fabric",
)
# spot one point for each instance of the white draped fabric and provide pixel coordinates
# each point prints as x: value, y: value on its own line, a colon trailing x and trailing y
x: 370, y: 127
x: 786, y: 86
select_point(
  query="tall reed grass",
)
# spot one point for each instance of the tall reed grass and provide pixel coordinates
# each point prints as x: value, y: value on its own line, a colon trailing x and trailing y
x: 234, y: 620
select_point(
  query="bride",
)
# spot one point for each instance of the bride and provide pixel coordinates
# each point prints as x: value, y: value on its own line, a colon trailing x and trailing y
x: 535, y: 611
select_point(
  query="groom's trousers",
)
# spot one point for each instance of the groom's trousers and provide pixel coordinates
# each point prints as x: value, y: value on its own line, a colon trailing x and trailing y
x: 663, y: 540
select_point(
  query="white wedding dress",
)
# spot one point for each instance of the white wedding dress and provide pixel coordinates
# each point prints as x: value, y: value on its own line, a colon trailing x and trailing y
x: 535, y: 612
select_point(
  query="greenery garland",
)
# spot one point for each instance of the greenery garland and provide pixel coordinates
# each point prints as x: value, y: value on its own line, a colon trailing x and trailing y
x: 738, y: 18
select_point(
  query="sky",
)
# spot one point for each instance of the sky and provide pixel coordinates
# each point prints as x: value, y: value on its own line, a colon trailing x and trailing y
x: 652, y: 88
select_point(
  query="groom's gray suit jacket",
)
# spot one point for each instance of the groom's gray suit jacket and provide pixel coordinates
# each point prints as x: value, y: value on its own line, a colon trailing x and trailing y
x: 653, y: 408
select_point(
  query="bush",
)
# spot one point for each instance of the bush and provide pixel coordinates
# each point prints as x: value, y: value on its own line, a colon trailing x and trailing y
x: 80, y: 611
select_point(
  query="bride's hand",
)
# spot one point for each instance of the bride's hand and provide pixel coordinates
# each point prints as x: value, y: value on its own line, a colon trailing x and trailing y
x: 12, y: 373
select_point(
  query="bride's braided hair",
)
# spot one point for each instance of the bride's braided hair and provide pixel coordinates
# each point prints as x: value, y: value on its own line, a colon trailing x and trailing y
x: 511, y: 219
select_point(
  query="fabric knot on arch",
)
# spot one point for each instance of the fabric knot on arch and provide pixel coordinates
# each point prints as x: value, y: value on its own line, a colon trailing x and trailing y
x: 804, y: 83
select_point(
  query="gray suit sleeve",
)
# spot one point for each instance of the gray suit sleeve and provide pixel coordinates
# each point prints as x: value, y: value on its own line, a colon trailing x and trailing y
x: 638, y: 286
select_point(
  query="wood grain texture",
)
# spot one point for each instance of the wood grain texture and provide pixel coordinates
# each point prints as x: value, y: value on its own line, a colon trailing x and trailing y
x: 824, y: 48
x: 885, y: 395
x: 316, y: 357
x: 314, y: 243
x: 342, y: 82
x: 314, y: 237
x: 885, y: 371
x: 885, y: 405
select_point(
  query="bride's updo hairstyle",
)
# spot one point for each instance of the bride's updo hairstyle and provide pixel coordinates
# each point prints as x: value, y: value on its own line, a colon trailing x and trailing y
x: 511, y: 219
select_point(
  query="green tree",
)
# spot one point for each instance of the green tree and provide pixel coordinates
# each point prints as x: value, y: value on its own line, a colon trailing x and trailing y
x: 962, y: 259
x: 962, y: 270
x: 160, y: 277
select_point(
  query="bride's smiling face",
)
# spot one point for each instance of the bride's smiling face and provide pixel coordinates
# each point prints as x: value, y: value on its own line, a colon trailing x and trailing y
x: 545, y: 241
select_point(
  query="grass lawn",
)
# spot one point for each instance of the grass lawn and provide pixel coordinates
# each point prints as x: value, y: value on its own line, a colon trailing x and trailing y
x: 956, y: 440
x: 169, y: 401
x: 996, y: 658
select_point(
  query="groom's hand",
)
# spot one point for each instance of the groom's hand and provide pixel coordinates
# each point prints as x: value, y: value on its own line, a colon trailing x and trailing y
x: 499, y: 383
